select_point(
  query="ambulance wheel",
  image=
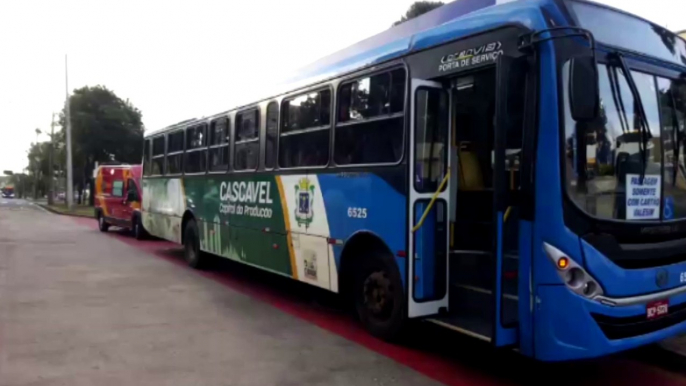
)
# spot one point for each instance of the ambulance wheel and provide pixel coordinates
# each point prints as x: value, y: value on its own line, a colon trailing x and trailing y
x: 138, y: 230
x: 191, y: 244
x: 102, y: 224
x: 379, y: 297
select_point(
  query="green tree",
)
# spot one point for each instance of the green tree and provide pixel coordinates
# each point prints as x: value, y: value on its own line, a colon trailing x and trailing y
x: 105, y: 128
x: 38, y: 168
x: 417, y: 9
x: 18, y: 181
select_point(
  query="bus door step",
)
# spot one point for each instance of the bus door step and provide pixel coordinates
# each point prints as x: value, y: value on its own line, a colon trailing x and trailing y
x: 473, y: 325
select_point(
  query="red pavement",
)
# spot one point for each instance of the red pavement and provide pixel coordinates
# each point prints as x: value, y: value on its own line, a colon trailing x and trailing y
x: 451, y: 370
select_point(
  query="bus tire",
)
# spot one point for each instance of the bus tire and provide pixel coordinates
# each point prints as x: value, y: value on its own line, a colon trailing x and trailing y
x: 102, y: 224
x: 379, y: 298
x: 137, y: 228
x: 191, y: 245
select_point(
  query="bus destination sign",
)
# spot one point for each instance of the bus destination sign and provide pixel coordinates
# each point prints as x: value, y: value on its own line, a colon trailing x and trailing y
x: 486, y: 53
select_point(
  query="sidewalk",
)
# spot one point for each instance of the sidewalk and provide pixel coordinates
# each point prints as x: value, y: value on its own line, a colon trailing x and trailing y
x: 61, y: 208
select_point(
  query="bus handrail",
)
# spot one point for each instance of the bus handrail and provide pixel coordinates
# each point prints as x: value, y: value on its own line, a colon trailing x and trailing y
x: 507, y: 214
x: 431, y: 203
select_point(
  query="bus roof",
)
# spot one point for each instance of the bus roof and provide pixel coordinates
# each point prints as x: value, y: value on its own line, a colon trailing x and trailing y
x: 395, y: 40
x: 456, y: 19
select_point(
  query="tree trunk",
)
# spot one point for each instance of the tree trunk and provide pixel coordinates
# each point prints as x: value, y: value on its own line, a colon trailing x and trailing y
x: 83, y: 185
x: 35, y: 185
x: 91, y: 192
x: 51, y: 172
x: 87, y: 179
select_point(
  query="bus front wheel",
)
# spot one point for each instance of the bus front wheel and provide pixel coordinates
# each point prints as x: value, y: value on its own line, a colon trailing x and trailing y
x: 379, y: 298
x: 191, y: 244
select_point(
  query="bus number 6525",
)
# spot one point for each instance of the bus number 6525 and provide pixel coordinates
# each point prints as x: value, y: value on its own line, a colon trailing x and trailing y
x: 357, y: 212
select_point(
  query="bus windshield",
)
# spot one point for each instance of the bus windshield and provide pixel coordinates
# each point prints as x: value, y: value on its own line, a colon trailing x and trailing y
x: 626, y: 178
x: 7, y: 192
x: 629, y: 32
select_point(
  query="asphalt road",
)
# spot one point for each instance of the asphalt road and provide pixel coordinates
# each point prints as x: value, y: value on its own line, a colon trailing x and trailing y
x: 79, y: 307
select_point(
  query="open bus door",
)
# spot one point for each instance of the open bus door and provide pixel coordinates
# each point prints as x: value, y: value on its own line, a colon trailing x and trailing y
x: 466, y: 151
x: 427, y: 279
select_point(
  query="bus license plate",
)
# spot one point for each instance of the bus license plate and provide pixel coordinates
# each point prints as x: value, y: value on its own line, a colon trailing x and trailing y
x: 657, y: 309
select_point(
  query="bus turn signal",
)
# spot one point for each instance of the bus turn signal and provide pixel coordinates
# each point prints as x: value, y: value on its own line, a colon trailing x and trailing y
x: 563, y: 263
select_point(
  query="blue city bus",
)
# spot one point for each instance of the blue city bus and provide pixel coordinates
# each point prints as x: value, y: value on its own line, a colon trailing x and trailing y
x: 512, y: 170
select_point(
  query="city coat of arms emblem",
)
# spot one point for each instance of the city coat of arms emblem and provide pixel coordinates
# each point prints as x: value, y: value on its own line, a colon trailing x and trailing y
x: 304, y: 197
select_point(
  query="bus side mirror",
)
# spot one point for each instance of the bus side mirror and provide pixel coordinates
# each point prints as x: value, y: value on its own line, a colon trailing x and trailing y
x: 583, y: 88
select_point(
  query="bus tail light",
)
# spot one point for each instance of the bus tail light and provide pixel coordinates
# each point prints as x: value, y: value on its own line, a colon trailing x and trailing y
x: 572, y: 274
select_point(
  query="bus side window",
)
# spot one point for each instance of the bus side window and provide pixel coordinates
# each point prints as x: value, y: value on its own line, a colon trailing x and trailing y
x: 219, y: 145
x: 371, y: 119
x: 196, y: 149
x: 175, y: 152
x: 272, y: 135
x: 157, y: 163
x: 147, y: 165
x: 247, y: 143
x: 305, y: 128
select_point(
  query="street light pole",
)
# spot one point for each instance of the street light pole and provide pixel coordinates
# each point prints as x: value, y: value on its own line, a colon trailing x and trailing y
x: 51, y: 173
x: 70, y: 184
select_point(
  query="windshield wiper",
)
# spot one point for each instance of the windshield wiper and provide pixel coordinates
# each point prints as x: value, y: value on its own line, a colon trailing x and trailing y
x: 676, y: 148
x: 617, y: 97
x: 643, y: 127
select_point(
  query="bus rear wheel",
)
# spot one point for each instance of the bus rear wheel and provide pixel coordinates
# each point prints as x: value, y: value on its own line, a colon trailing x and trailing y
x: 191, y: 244
x: 379, y: 298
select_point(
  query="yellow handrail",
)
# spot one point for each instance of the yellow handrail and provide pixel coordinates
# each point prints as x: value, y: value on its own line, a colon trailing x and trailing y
x: 431, y: 203
x: 507, y: 214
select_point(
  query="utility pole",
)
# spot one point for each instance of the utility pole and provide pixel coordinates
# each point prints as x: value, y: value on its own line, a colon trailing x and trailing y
x: 70, y: 181
x: 51, y: 172
x: 36, y: 171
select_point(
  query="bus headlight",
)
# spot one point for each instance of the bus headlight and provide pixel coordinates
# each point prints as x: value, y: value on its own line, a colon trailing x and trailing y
x: 572, y: 274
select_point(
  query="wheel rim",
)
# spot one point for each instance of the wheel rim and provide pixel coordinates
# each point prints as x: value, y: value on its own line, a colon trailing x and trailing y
x: 378, y: 295
x: 102, y: 222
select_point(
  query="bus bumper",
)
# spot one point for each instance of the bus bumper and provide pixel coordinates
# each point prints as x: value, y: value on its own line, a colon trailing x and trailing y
x: 570, y: 327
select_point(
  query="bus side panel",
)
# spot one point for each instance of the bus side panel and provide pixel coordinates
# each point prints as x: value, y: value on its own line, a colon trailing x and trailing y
x: 277, y: 223
x: 375, y: 202
x: 306, y: 218
x: 282, y: 223
x: 241, y: 218
x: 163, y: 207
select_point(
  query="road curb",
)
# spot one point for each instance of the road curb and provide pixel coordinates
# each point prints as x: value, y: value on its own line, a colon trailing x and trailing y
x: 40, y: 207
x: 48, y: 209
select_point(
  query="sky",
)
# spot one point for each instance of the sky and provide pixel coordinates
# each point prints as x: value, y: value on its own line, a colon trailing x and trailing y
x: 176, y: 60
